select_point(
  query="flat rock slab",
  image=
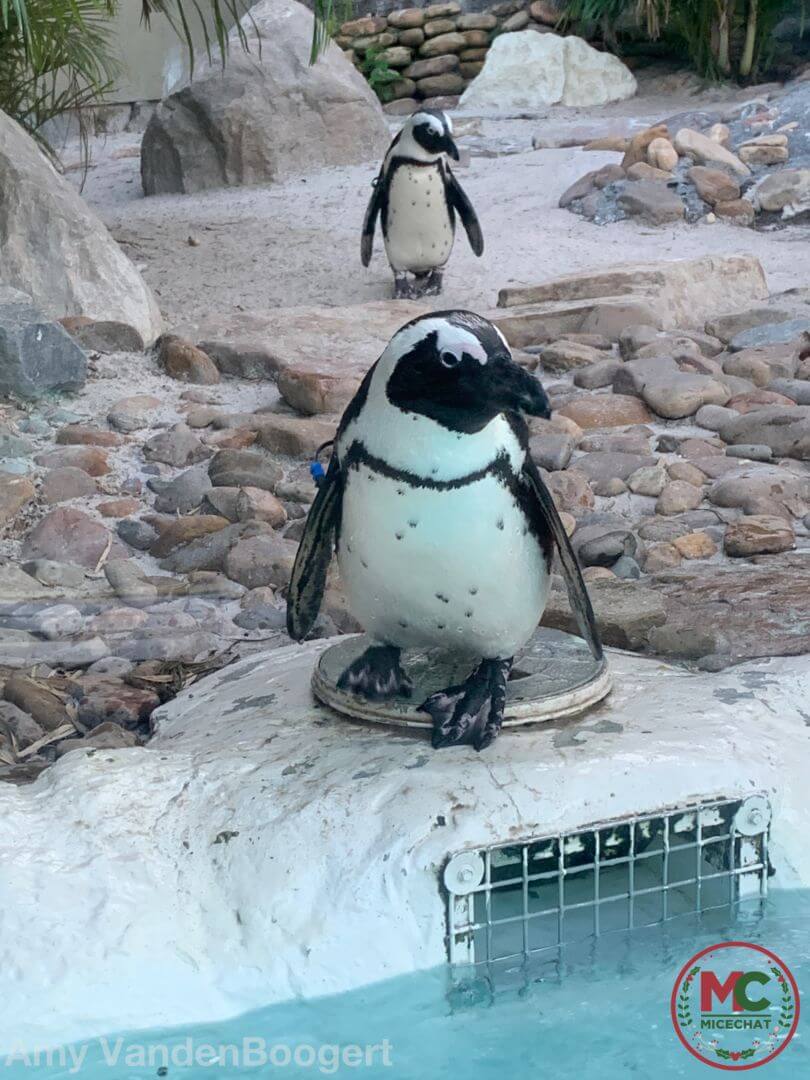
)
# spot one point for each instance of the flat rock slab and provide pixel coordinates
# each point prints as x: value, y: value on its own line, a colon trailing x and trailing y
x: 758, y: 609
x: 684, y: 292
x: 305, y: 348
x: 253, y: 804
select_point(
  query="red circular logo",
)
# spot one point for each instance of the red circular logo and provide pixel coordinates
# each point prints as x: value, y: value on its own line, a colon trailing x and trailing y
x: 735, y: 1005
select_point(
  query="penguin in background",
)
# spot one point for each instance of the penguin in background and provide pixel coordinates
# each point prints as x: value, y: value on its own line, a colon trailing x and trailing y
x: 443, y: 527
x: 416, y: 196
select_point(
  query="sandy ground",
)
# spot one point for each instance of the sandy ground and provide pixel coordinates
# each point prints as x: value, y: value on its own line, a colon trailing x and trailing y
x: 297, y: 243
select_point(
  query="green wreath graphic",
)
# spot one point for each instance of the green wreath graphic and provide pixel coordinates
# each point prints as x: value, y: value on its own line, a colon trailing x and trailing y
x: 786, y: 1015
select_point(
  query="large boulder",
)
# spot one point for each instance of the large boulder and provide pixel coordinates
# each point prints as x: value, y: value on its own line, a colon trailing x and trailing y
x: 528, y: 70
x: 55, y: 249
x: 268, y: 116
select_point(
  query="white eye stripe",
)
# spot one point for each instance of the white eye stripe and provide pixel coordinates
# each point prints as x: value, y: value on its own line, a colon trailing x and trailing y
x: 455, y: 339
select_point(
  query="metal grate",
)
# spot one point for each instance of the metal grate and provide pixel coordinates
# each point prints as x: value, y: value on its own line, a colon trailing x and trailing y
x: 512, y: 901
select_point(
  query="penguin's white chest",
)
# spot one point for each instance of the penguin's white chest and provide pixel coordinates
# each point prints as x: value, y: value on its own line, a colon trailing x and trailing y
x: 419, y: 227
x: 454, y: 568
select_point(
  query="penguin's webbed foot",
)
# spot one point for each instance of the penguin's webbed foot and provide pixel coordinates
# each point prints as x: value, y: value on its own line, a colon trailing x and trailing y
x: 471, y: 713
x: 377, y: 674
x: 403, y: 289
x: 433, y: 285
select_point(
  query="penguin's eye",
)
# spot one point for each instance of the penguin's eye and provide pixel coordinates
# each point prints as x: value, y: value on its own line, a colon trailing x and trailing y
x: 449, y: 359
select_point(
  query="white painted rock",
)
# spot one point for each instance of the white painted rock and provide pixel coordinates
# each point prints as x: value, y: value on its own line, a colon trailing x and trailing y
x: 261, y: 848
x: 528, y: 71
x: 270, y: 115
x: 55, y: 249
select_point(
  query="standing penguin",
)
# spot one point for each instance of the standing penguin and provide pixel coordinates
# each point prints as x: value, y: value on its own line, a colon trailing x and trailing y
x: 444, y: 529
x: 417, y: 197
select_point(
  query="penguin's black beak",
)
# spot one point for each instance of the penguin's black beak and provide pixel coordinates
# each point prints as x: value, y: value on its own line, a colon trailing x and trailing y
x: 514, y: 390
x: 449, y: 147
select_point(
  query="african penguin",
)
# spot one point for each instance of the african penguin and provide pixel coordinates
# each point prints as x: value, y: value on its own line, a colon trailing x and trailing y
x: 416, y: 198
x: 443, y: 527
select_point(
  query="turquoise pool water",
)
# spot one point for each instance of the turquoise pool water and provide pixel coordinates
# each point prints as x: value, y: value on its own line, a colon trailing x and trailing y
x: 602, y: 1013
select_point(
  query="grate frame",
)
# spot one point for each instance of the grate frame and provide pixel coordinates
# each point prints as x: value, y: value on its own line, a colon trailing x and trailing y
x: 482, y: 884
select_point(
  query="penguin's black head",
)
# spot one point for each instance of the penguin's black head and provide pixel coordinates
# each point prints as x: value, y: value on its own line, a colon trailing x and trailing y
x: 432, y: 131
x: 456, y: 368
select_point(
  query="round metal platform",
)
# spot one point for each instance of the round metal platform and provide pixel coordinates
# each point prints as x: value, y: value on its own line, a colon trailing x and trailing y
x: 554, y: 676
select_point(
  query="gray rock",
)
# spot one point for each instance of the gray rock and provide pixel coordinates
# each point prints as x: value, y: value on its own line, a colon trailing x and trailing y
x: 185, y: 493
x: 210, y: 552
x: 12, y: 445
x: 177, y: 446
x: 751, y: 451
x: 184, y: 646
x: 634, y: 441
x: 56, y: 574
x: 128, y: 581
x: 244, y: 468
x: 745, y: 487
x: 551, y: 452
x: 217, y: 586
x: 105, y: 736
x: 635, y: 337
x: 612, y: 465
x: 686, y: 642
x: 132, y: 413
x: 261, y: 560
x: 114, y: 666
x: 784, y: 429
x: 59, y: 621
x: 798, y: 389
x: 727, y: 327
x: 37, y: 356
x: 66, y: 483
x: 23, y: 727
x: 626, y: 611
x: 268, y: 116
x: 648, y: 480
x: 222, y: 501
x: 677, y: 497
x: 626, y: 569
x: 600, y: 545
x: 107, y: 336
x: 138, y: 534
x: 597, y: 375
x: 663, y: 530
x: 670, y: 392
x: 652, y: 202
x: 770, y: 334
x: 56, y: 654
x: 17, y: 585
x: 713, y: 417
x: 262, y: 617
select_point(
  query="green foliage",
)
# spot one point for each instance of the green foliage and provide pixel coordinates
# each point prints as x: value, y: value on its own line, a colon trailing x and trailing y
x: 329, y: 14
x: 55, y: 55
x: 378, y: 74
x: 59, y: 55
x: 723, y: 38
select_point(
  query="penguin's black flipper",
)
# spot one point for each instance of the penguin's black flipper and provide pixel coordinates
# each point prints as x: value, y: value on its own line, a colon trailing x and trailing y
x: 457, y: 200
x: 314, y: 554
x: 577, y: 592
x: 375, y: 205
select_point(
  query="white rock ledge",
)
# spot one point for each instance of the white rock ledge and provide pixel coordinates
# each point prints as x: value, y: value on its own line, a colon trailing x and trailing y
x: 261, y: 848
